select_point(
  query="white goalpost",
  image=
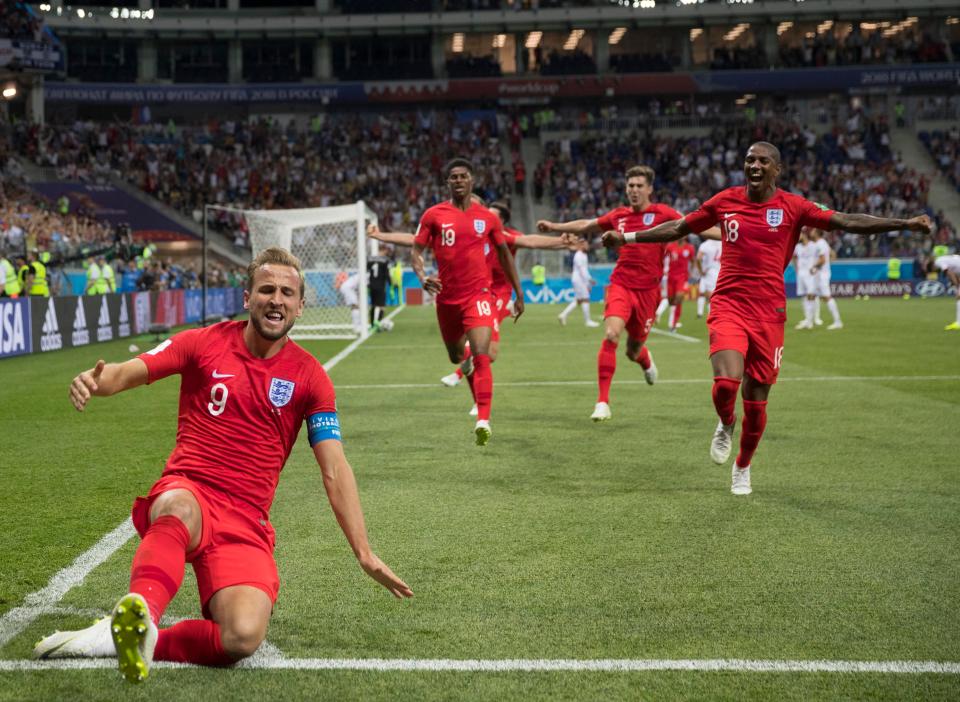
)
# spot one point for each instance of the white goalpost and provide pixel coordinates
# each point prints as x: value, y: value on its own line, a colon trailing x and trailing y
x: 332, y: 244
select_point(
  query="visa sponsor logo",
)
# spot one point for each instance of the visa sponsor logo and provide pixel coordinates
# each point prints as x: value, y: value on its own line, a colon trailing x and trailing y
x: 13, y: 338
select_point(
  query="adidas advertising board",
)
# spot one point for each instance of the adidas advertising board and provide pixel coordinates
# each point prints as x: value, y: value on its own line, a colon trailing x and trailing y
x: 81, y: 334
x: 15, y: 337
x: 41, y: 324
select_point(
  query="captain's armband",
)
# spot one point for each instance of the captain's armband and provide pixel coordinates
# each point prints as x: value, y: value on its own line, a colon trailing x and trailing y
x: 322, y: 426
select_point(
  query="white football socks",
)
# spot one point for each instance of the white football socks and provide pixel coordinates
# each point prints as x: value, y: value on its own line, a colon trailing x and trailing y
x: 834, y: 310
x: 585, y: 307
x: 569, y: 308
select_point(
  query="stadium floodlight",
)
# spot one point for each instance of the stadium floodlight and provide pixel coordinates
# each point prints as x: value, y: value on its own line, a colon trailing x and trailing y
x: 571, y: 43
x: 533, y: 40
x: 458, y: 43
x: 9, y: 91
x: 616, y: 35
x: 332, y: 244
x: 499, y: 41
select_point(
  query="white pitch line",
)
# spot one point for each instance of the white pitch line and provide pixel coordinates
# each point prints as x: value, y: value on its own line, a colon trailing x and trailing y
x: 534, y: 665
x: 675, y: 335
x: 39, y: 602
x: 675, y: 381
x: 354, y: 344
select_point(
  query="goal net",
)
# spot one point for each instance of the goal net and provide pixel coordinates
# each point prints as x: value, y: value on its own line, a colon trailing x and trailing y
x: 331, y: 242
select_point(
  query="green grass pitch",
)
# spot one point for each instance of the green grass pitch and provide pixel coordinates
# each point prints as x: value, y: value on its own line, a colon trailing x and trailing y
x: 562, y: 539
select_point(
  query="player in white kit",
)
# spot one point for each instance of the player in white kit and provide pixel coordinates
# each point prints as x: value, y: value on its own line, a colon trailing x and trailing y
x: 582, y: 282
x: 951, y: 266
x: 824, y: 254
x: 708, y: 261
x: 804, y: 262
x: 350, y: 292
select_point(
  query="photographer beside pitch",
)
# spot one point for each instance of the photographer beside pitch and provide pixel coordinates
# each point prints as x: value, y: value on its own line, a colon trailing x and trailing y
x: 246, y: 389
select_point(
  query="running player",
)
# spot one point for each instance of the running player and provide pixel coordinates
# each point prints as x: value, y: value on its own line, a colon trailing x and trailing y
x: 822, y: 272
x: 761, y: 225
x: 502, y: 288
x: 951, y: 266
x: 634, y: 289
x: 582, y: 283
x: 679, y: 257
x: 708, y: 261
x: 461, y: 233
x: 245, y: 391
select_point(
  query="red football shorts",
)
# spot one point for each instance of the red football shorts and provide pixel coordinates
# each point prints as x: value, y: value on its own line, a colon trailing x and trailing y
x: 458, y: 318
x: 236, y: 547
x: 636, y: 307
x: 760, y: 343
x: 676, y: 287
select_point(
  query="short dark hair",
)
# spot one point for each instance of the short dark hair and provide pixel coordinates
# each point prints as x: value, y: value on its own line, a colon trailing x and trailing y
x: 274, y: 255
x: 503, y: 208
x: 644, y: 171
x: 767, y: 145
x: 457, y: 163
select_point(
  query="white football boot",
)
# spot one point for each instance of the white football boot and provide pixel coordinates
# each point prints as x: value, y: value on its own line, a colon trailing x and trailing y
x: 601, y: 412
x: 650, y: 374
x: 722, y: 442
x: 134, y: 637
x: 451, y: 381
x: 93, y: 642
x: 740, y: 480
x: 482, y: 430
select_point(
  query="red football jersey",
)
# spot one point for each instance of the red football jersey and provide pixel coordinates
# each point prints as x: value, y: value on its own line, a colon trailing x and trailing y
x: 239, y: 415
x: 461, y: 241
x: 758, y: 243
x: 679, y: 257
x: 500, y: 279
x: 640, y: 266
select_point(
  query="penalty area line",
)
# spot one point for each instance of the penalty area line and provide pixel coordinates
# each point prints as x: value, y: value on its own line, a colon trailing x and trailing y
x: 353, y: 345
x: 40, y: 602
x: 535, y: 665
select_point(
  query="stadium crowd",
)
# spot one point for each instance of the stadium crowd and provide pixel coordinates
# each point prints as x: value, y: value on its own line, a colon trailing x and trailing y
x: 850, y: 167
x: 390, y: 162
x: 16, y: 22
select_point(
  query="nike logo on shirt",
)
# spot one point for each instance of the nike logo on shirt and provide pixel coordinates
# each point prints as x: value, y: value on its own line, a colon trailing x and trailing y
x: 222, y: 375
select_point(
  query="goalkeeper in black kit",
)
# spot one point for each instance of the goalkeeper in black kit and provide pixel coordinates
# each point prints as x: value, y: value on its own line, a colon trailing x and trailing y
x: 378, y: 279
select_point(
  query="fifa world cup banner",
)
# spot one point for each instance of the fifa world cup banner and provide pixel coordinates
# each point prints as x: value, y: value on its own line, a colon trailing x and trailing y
x: 15, y: 337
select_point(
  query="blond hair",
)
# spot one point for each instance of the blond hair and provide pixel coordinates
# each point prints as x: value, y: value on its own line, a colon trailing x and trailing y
x: 275, y: 256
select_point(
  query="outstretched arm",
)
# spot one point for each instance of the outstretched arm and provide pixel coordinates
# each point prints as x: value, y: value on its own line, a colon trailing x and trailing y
x: 106, y: 379
x: 577, y: 226
x: 539, y: 241
x: 667, y: 231
x: 341, y: 489
x: 868, y: 224
x: 506, y: 262
x: 430, y: 283
x: 399, y: 238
